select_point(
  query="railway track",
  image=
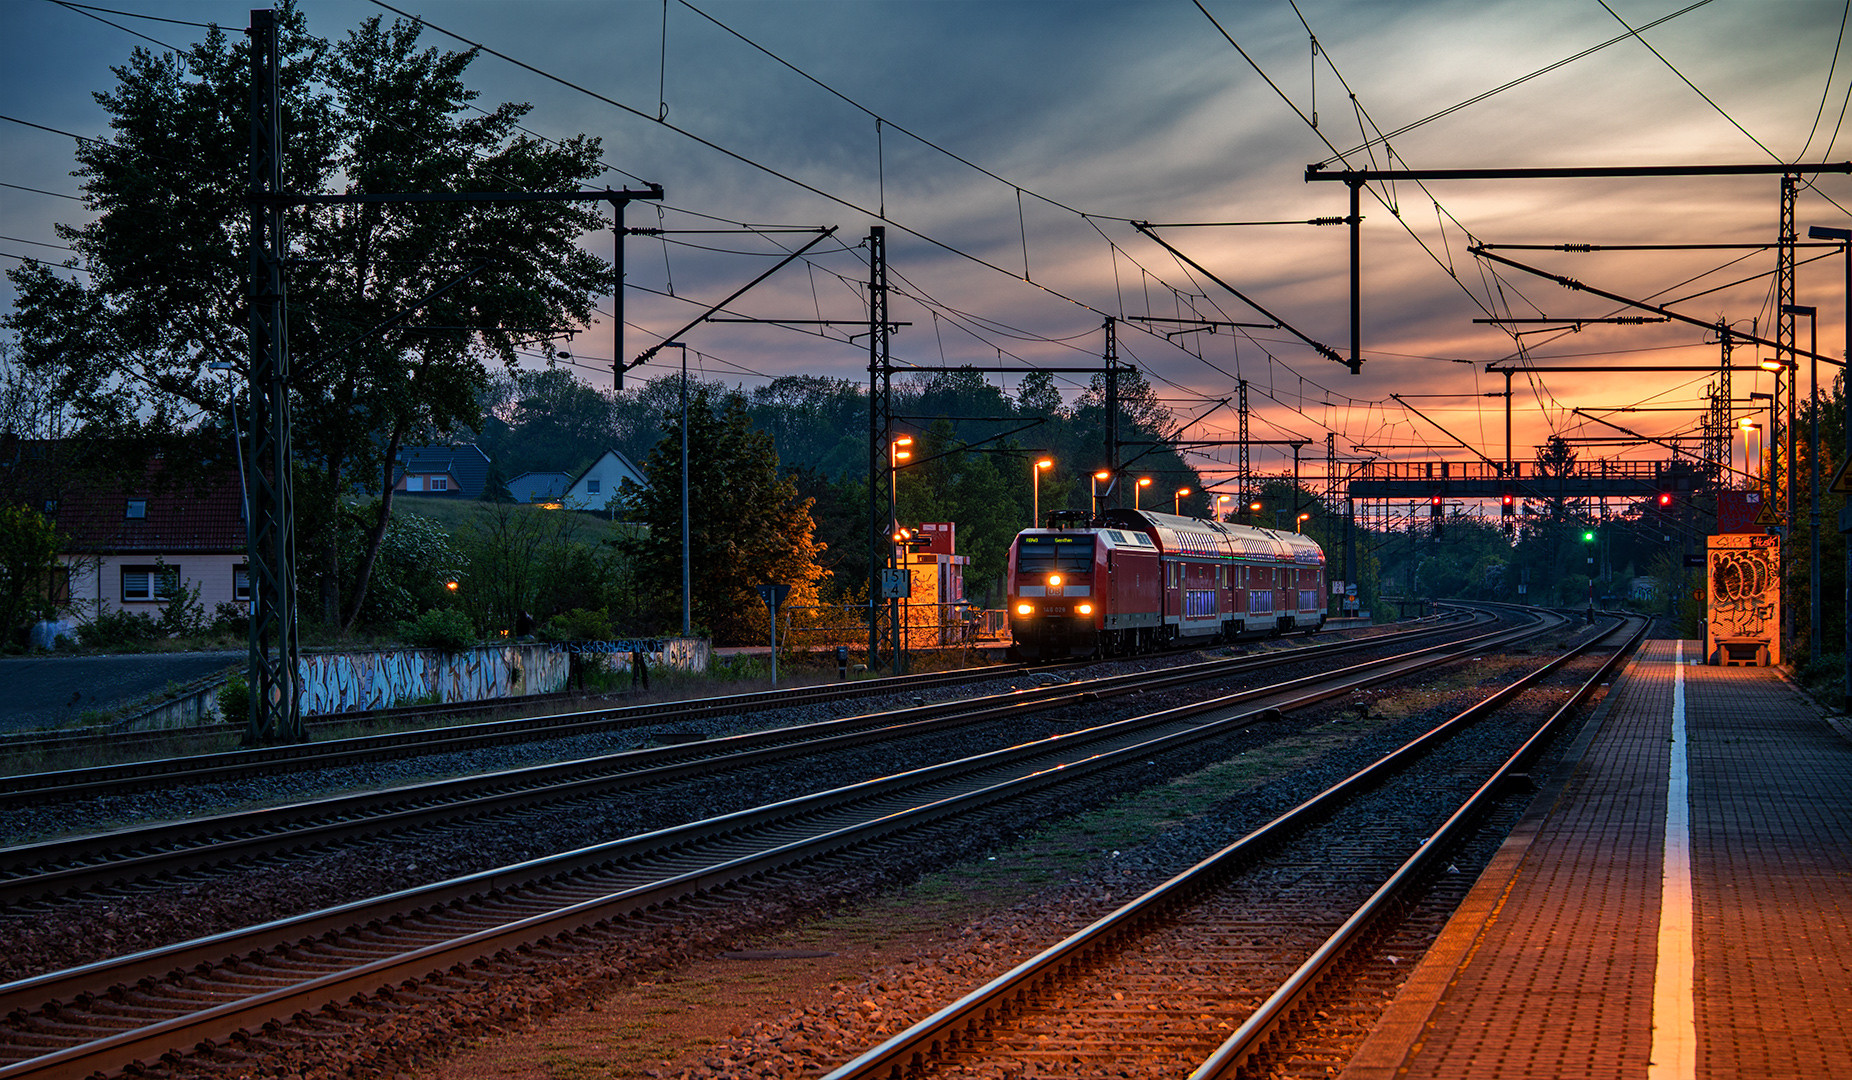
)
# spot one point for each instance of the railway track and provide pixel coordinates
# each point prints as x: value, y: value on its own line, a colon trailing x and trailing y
x: 1213, y: 973
x: 31, y: 873
x: 220, y: 766
x: 216, y: 767
x: 106, y: 1015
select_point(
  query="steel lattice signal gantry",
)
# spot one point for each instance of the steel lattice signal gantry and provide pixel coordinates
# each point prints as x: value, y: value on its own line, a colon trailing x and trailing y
x: 270, y: 540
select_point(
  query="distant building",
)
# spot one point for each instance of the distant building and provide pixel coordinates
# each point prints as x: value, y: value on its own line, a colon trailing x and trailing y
x: 540, y: 487
x: 599, y: 484
x: 458, y: 472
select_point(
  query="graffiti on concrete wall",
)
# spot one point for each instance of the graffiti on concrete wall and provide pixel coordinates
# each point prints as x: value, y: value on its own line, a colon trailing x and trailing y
x: 345, y: 682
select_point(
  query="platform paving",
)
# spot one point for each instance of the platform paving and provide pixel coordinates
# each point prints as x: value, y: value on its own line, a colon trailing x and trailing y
x: 1677, y: 902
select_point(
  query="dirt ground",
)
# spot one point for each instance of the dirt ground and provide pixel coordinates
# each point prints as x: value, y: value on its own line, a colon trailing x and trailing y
x: 659, y: 1028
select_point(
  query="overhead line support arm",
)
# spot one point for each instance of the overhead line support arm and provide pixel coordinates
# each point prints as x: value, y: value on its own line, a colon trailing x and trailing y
x: 1324, y: 350
x: 1572, y: 283
x: 647, y: 354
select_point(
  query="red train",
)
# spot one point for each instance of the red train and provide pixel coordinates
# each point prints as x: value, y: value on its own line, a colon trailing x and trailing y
x: 1135, y: 581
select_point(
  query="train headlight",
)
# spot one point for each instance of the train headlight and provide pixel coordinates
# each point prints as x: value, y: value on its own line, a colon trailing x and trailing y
x: 1025, y: 609
x: 1085, y: 609
x: 1054, y: 579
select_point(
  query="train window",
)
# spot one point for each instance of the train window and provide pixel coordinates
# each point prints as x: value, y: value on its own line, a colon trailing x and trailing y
x: 1044, y: 554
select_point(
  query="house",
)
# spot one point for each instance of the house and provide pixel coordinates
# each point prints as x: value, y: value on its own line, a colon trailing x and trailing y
x: 132, y: 542
x: 540, y: 487
x: 600, y: 483
x: 458, y: 472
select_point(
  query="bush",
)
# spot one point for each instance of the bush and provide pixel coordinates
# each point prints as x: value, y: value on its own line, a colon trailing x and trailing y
x: 234, y: 700
x: 183, y: 615
x: 580, y: 625
x: 232, y: 620
x: 446, y: 631
x: 112, y: 628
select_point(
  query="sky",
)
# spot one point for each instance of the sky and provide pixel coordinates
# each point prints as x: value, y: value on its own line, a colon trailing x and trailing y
x: 1007, y: 147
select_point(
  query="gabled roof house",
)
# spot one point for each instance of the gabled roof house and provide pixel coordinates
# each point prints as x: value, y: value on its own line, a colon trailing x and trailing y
x: 131, y: 543
x: 602, y: 480
x: 458, y: 472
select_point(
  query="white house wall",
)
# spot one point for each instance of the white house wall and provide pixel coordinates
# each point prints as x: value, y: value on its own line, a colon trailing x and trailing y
x: 96, y: 582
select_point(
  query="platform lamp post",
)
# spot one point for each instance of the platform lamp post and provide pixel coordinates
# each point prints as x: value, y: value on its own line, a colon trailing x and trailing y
x: 1776, y: 366
x: 1177, y: 504
x: 1103, y: 474
x: 1254, y: 509
x: 1221, y: 512
x: 1035, y: 506
x: 1138, y: 489
x: 1844, y: 236
x: 1813, y: 441
x: 1747, y: 426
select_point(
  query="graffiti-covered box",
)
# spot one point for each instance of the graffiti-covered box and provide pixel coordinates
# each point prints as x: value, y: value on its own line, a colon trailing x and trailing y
x: 1742, y: 624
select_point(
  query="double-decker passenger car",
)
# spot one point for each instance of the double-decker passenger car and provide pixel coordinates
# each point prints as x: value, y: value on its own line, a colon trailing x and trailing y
x: 1134, y: 581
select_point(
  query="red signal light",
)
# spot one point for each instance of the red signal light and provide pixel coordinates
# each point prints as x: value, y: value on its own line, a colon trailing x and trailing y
x: 1665, y: 498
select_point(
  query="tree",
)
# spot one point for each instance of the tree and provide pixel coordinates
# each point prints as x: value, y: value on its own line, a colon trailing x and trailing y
x: 1036, y: 396
x: 545, y: 421
x: 747, y: 525
x: 30, y: 572
x: 167, y: 254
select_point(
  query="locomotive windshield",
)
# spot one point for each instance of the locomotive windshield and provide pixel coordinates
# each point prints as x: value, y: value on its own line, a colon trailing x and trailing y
x: 1045, y: 554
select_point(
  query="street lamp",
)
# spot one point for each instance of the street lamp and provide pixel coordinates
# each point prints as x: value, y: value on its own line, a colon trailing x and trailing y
x: 1035, y: 507
x: 1103, y: 474
x: 1143, y: 483
x: 1254, y: 508
x: 1299, y: 525
x: 897, y: 452
x: 1220, y: 514
x: 1178, y: 505
x: 1747, y: 425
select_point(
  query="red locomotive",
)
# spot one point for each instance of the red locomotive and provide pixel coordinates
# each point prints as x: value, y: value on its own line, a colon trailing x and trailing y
x: 1136, y: 581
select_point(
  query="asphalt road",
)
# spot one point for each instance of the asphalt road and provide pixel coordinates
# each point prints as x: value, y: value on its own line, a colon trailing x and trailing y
x: 46, y: 691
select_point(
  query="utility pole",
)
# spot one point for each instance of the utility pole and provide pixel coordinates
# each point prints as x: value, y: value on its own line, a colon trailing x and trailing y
x: 880, y: 435
x: 1244, y: 475
x: 1784, y: 337
x: 1111, y: 358
x: 270, y: 521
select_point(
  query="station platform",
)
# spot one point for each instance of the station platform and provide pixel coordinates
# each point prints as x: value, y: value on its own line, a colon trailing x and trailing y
x: 1676, y: 903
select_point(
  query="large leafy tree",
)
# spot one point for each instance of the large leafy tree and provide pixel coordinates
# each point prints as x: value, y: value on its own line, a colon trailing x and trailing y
x: 166, y: 255
x: 747, y: 525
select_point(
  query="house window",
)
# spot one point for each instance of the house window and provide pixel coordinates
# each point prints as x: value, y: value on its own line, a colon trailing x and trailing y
x: 241, y: 582
x: 591, y: 486
x: 147, y: 584
x: 440, y: 483
x: 138, y: 508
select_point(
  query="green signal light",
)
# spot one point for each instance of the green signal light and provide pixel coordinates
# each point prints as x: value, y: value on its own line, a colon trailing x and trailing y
x: 1588, y: 537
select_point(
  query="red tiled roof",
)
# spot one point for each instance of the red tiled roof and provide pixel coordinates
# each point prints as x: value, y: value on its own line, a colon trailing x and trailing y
x: 187, y: 516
